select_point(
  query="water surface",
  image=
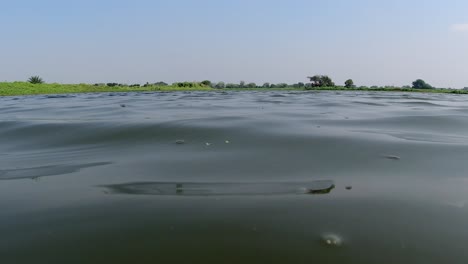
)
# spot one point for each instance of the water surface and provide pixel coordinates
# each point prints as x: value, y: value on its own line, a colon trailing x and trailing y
x: 234, y: 177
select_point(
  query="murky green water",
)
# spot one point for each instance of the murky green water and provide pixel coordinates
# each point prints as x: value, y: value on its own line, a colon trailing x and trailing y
x: 237, y: 177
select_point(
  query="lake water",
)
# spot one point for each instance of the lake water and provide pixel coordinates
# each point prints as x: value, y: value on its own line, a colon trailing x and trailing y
x: 234, y: 177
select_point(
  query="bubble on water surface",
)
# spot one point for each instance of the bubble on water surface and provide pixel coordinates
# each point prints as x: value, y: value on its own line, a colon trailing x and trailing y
x: 332, y: 240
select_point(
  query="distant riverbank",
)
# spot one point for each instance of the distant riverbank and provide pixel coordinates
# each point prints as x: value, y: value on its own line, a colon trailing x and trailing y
x: 25, y: 88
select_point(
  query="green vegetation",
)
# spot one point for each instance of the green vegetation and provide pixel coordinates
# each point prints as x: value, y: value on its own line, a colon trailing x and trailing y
x: 349, y: 84
x: 321, y: 81
x: 35, y: 80
x: 36, y: 85
x: 421, y: 84
x: 25, y: 88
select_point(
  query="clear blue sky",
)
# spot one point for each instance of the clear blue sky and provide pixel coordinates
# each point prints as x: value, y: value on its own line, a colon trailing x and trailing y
x: 371, y: 41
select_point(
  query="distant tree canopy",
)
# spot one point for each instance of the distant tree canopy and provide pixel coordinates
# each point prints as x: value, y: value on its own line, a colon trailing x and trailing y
x: 220, y: 85
x: 187, y: 84
x: 206, y: 83
x: 161, y: 84
x: 321, y: 81
x: 421, y: 84
x: 349, y: 84
x: 251, y: 85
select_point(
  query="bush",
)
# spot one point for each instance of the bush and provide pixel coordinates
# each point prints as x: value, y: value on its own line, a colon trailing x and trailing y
x: 112, y: 84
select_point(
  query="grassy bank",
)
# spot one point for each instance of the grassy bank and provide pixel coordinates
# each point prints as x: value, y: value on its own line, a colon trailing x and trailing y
x: 24, y: 88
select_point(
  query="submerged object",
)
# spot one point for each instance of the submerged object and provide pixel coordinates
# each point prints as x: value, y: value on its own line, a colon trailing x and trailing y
x: 220, y: 189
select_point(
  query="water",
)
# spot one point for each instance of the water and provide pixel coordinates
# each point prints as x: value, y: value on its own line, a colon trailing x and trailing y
x: 234, y: 177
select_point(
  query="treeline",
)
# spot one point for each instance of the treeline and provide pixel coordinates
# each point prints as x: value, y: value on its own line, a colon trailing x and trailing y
x: 315, y: 82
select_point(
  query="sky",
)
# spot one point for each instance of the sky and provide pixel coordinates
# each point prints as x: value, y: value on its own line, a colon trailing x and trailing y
x: 373, y: 42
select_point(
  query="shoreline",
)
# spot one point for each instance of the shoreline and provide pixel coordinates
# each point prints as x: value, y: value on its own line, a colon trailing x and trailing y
x: 24, y: 89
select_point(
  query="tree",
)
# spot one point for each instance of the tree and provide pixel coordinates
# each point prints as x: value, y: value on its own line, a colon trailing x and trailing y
x: 206, y: 83
x: 220, y: 85
x: 266, y: 85
x: 421, y: 84
x: 232, y: 85
x: 349, y: 84
x: 252, y: 85
x: 321, y: 81
x: 242, y: 84
x: 35, y: 80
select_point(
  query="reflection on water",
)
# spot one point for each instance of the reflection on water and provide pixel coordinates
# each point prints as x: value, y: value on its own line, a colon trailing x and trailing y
x: 232, y: 177
x: 219, y: 189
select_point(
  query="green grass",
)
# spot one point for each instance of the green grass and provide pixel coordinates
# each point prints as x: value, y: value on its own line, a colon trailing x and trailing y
x: 24, y: 88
